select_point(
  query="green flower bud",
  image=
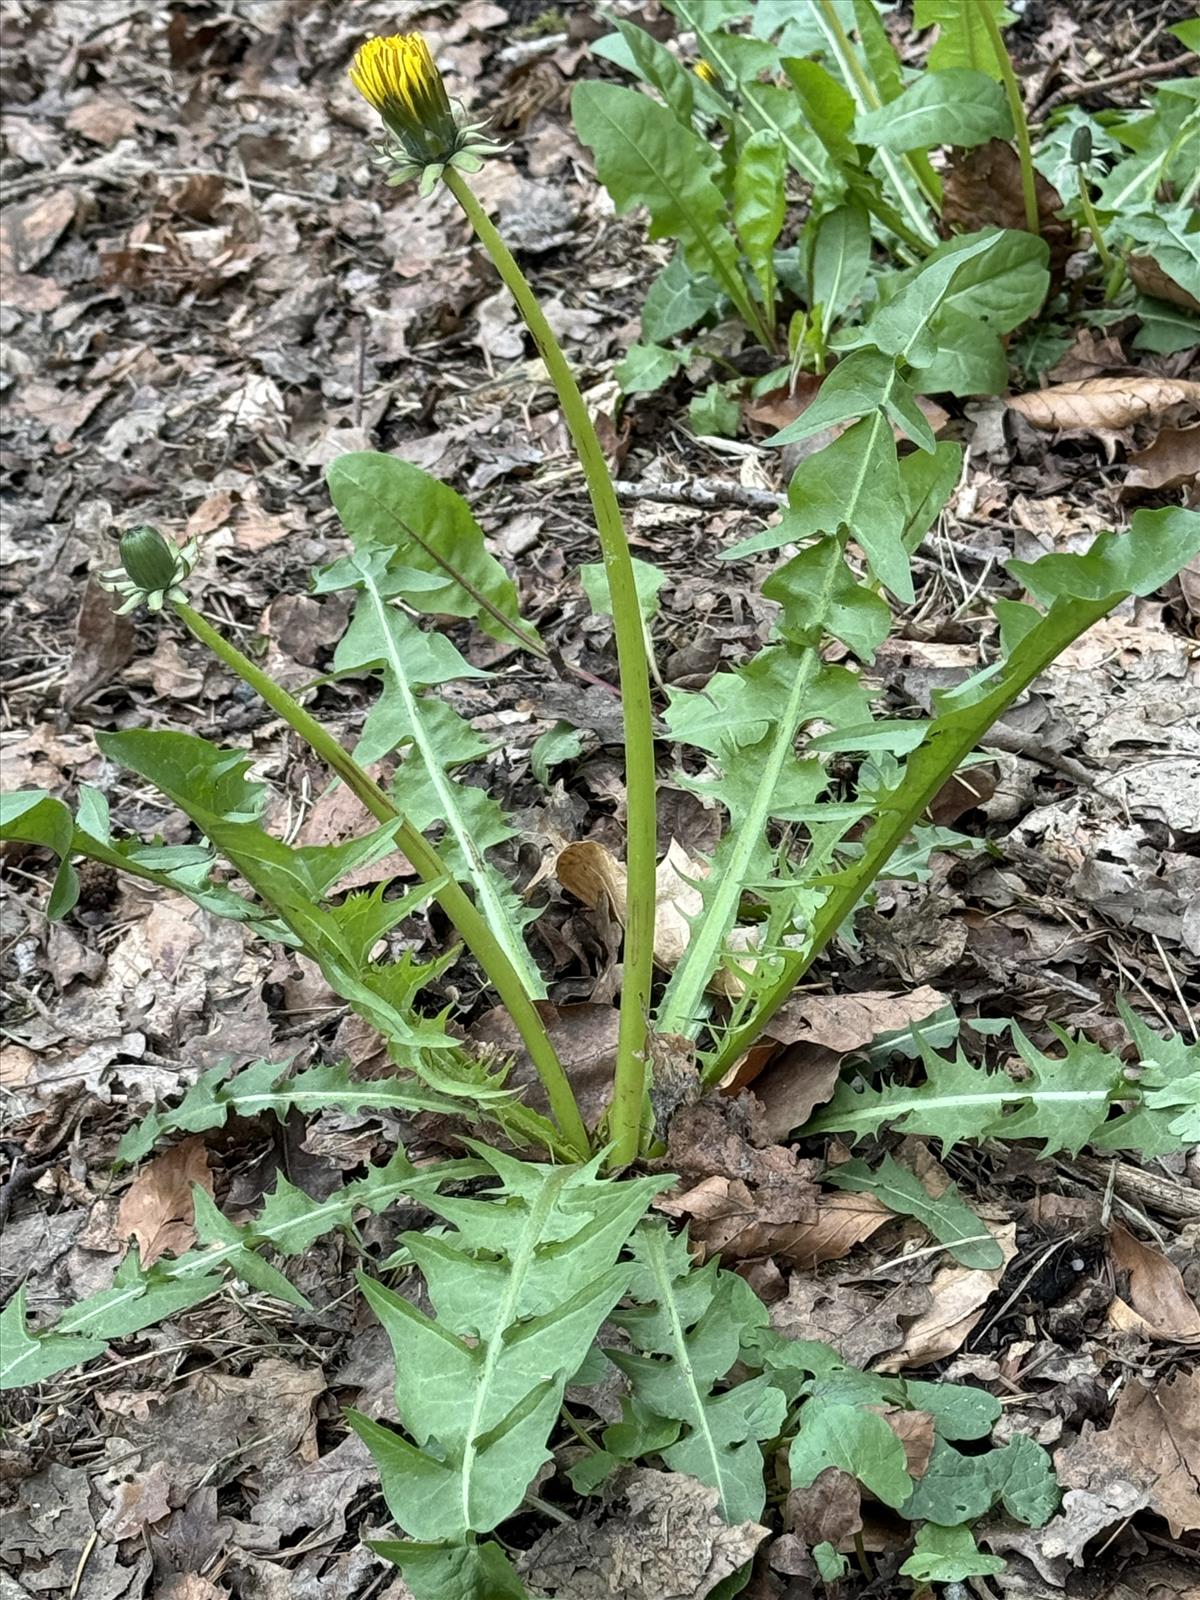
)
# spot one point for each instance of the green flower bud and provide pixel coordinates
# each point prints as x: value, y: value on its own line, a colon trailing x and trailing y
x: 149, y: 561
x: 152, y: 569
x: 1081, y: 145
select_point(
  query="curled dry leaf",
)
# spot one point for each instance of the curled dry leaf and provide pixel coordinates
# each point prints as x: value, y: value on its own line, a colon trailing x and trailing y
x: 1158, y: 1305
x: 592, y: 873
x: 730, y: 1219
x: 982, y: 187
x: 751, y: 1199
x: 1150, y: 278
x: 1105, y: 405
x: 104, y: 642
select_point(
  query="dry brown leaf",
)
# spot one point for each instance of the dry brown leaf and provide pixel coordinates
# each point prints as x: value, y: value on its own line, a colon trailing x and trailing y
x: 1171, y: 462
x: 982, y: 187
x: 842, y: 1222
x: 1152, y: 1444
x: 819, y: 1031
x: 959, y: 1296
x: 860, y: 1326
x: 1150, y: 278
x: 585, y: 1038
x: 827, y: 1510
x: 730, y: 1219
x: 190, y: 1586
x: 25, y: 291
x: 254, y: 526
x: 103, y: 119
x: 592, y: 873
x: 915, y: 1431
x: 750, y: 1198
x: 660, y: 1531
x: 1105, y: 405
x: 157, y: 1207
x: 142, y: 1498
x: 257, y: 1420
x: 29, y: 232
x: 104, y: 642
x: 1085, y: 1514
x: 338, y: 815
x: 1092, y: 354
x: 168, y: 671
x: 677, y: 903
x: 213, y: 512
x: 1158, y: 1304
x: 848, y: 1022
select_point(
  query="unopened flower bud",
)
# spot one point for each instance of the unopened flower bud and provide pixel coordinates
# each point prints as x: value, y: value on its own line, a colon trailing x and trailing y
x: 149, y: 561
x: 151, y: 570
x: 1081, y: 145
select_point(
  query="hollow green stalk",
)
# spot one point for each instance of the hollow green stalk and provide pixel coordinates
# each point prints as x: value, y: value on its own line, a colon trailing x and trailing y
x: 629, y: 1087
x: 1093, y: 222
x: 452, y: 898
x: 868, y: 98
x: 1016, y: 106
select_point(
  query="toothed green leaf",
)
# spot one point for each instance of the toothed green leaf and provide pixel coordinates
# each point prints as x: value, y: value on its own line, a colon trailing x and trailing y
x: 518, y: 1290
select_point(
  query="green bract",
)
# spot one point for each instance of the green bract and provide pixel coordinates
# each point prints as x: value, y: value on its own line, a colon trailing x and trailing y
x: 151, y: 570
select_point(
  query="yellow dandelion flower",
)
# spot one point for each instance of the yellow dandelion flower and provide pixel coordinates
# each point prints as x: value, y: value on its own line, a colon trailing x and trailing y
x: 707, y: 74
x: 399, y: 77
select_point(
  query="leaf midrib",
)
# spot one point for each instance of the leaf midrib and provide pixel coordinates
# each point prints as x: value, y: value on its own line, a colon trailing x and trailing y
x: 506, y: 1312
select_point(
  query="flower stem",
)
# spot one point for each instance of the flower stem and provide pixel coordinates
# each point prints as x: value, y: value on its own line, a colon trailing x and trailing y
x: 449, y: 894
x: 629, y: 1088
x: 1093, y: 222
x: 867, y: 97
x: 1016, y: 106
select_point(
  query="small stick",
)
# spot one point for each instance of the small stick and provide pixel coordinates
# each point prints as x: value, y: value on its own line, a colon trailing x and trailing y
x: 708, y: 494
x: 1080, y: 91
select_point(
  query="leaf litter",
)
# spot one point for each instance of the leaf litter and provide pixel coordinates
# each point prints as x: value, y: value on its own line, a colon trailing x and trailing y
x: 201, y: 1468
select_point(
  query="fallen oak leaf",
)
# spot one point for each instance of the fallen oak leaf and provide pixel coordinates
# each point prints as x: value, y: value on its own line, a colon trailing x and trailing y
x: 1151, y: 1449
x: 157, y: 1208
